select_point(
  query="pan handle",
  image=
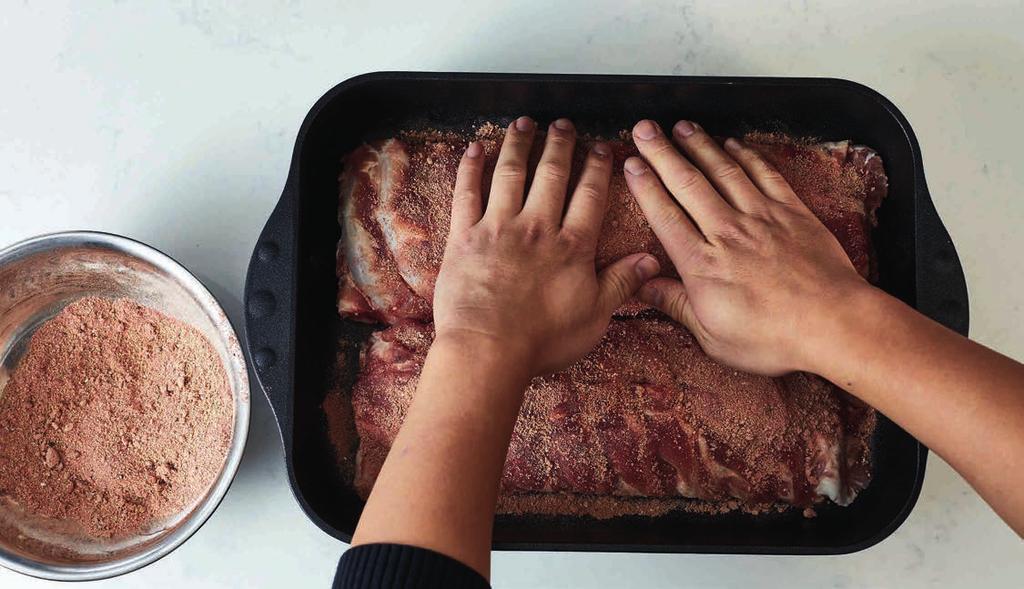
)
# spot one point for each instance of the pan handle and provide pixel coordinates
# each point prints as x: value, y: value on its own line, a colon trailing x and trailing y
x: 270, y: 309
x: 941, y: 286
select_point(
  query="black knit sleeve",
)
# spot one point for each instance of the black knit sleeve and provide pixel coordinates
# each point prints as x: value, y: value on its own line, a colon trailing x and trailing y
x: 386, y: 566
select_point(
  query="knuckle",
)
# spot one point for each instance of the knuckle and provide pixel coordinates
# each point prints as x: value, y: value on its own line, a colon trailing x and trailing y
x: 590, y: 192
x: 495, y: 230
x: 573, y: 238
x: 701, y: 141
x: 553, y: 170
x: 662, y: 149
x: 476, y: 239
x: 464, y: 193
x: 760, y: 222
x: 768, y: 172
x: 759, y: 165
x: 731, y: 234
x: 619, y: 285
x: 676, y: 304
x: 461, y: 203
x: 510, y: 170
x: 698, y: 260
x: 794, y: 204
x: 779, y: 213
x: 706, y: 259
x: 670, y: 223
x: 727, y: 171
x: 595, y: 162
x: 668, y: 218
x: 685, y: 179
x: 561, y: 139
x: 533, y: 230
x: 755, y: 226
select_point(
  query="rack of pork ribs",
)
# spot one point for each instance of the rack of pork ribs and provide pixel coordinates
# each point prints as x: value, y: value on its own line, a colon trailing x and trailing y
x: 645, y: 422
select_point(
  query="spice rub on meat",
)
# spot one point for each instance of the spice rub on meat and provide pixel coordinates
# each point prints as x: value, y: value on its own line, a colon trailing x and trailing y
x: 395, y: 205
x: 644, y: 420
x: 646, y: 414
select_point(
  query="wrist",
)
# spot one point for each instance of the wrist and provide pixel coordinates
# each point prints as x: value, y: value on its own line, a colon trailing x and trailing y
x: 834, y: 325
x: 487, y: 352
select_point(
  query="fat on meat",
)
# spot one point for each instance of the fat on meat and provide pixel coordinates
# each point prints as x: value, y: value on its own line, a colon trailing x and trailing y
x: 368, y: 277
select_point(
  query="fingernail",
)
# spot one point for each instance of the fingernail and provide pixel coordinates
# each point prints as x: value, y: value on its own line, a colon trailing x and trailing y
x: 645, y: 130
x: 524, y: 123
x: 635, y: 166
x: 650, y: 295
x: 731, y: 143
x: 647, y: 267
x: 474, y: 149
x: 684, y: 128
x: 563, y: 124
x: 602, y: 149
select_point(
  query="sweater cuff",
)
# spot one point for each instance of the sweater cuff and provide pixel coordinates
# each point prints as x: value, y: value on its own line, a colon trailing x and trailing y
x: 383, y: 566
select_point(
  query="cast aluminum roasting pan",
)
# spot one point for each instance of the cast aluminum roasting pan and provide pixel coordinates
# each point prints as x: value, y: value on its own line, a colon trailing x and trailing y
x: 292, y: 326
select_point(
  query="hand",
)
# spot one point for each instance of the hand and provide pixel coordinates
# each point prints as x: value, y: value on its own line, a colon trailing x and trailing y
x: 522, y: 275
x: 760, y: 273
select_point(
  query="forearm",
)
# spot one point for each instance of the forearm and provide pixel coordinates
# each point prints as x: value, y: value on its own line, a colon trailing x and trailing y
x: 439, y: 484
x: 962, y: 400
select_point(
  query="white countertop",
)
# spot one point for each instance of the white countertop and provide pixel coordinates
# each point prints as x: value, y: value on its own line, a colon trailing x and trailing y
x: 174, y: 124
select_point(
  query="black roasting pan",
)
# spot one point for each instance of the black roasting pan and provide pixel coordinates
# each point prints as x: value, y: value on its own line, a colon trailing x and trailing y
x: 292, y: 326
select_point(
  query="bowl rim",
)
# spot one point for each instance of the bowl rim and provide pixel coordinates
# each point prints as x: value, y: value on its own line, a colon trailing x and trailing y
x: 237, y: 370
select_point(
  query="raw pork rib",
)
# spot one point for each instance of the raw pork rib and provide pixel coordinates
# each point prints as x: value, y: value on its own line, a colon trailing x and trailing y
x: 844, y: 193
x: 646, y: 414
x: 396, y: 199
x: 370, y: 286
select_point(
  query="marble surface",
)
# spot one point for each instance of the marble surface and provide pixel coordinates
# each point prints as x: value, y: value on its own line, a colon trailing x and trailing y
x: 173, y: 123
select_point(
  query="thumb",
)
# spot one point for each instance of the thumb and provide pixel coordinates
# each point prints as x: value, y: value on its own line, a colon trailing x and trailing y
x: 618, y: 282
x: 668, y: 295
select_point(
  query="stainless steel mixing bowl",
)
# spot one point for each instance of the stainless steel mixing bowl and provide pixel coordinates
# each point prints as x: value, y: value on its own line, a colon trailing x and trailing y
x: 38, y: 278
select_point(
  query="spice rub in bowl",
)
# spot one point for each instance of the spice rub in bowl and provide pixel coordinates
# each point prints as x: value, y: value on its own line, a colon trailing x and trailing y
x: 113, y: 424
x: 124, y: 405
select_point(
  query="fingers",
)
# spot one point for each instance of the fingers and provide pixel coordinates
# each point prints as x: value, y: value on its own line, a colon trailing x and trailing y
x: 722, y: 170
x: 669, y: 222
x: 467, y: 200
x: 668, y: 295
x: 547, y: 192
x: 509, y: 180
x: 683, y: 180
x: 618, y: 282
x: 589, y: 201
x: 767, y: 179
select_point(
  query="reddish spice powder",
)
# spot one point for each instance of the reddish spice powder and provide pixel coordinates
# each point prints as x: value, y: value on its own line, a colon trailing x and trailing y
x: 116, y: 420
